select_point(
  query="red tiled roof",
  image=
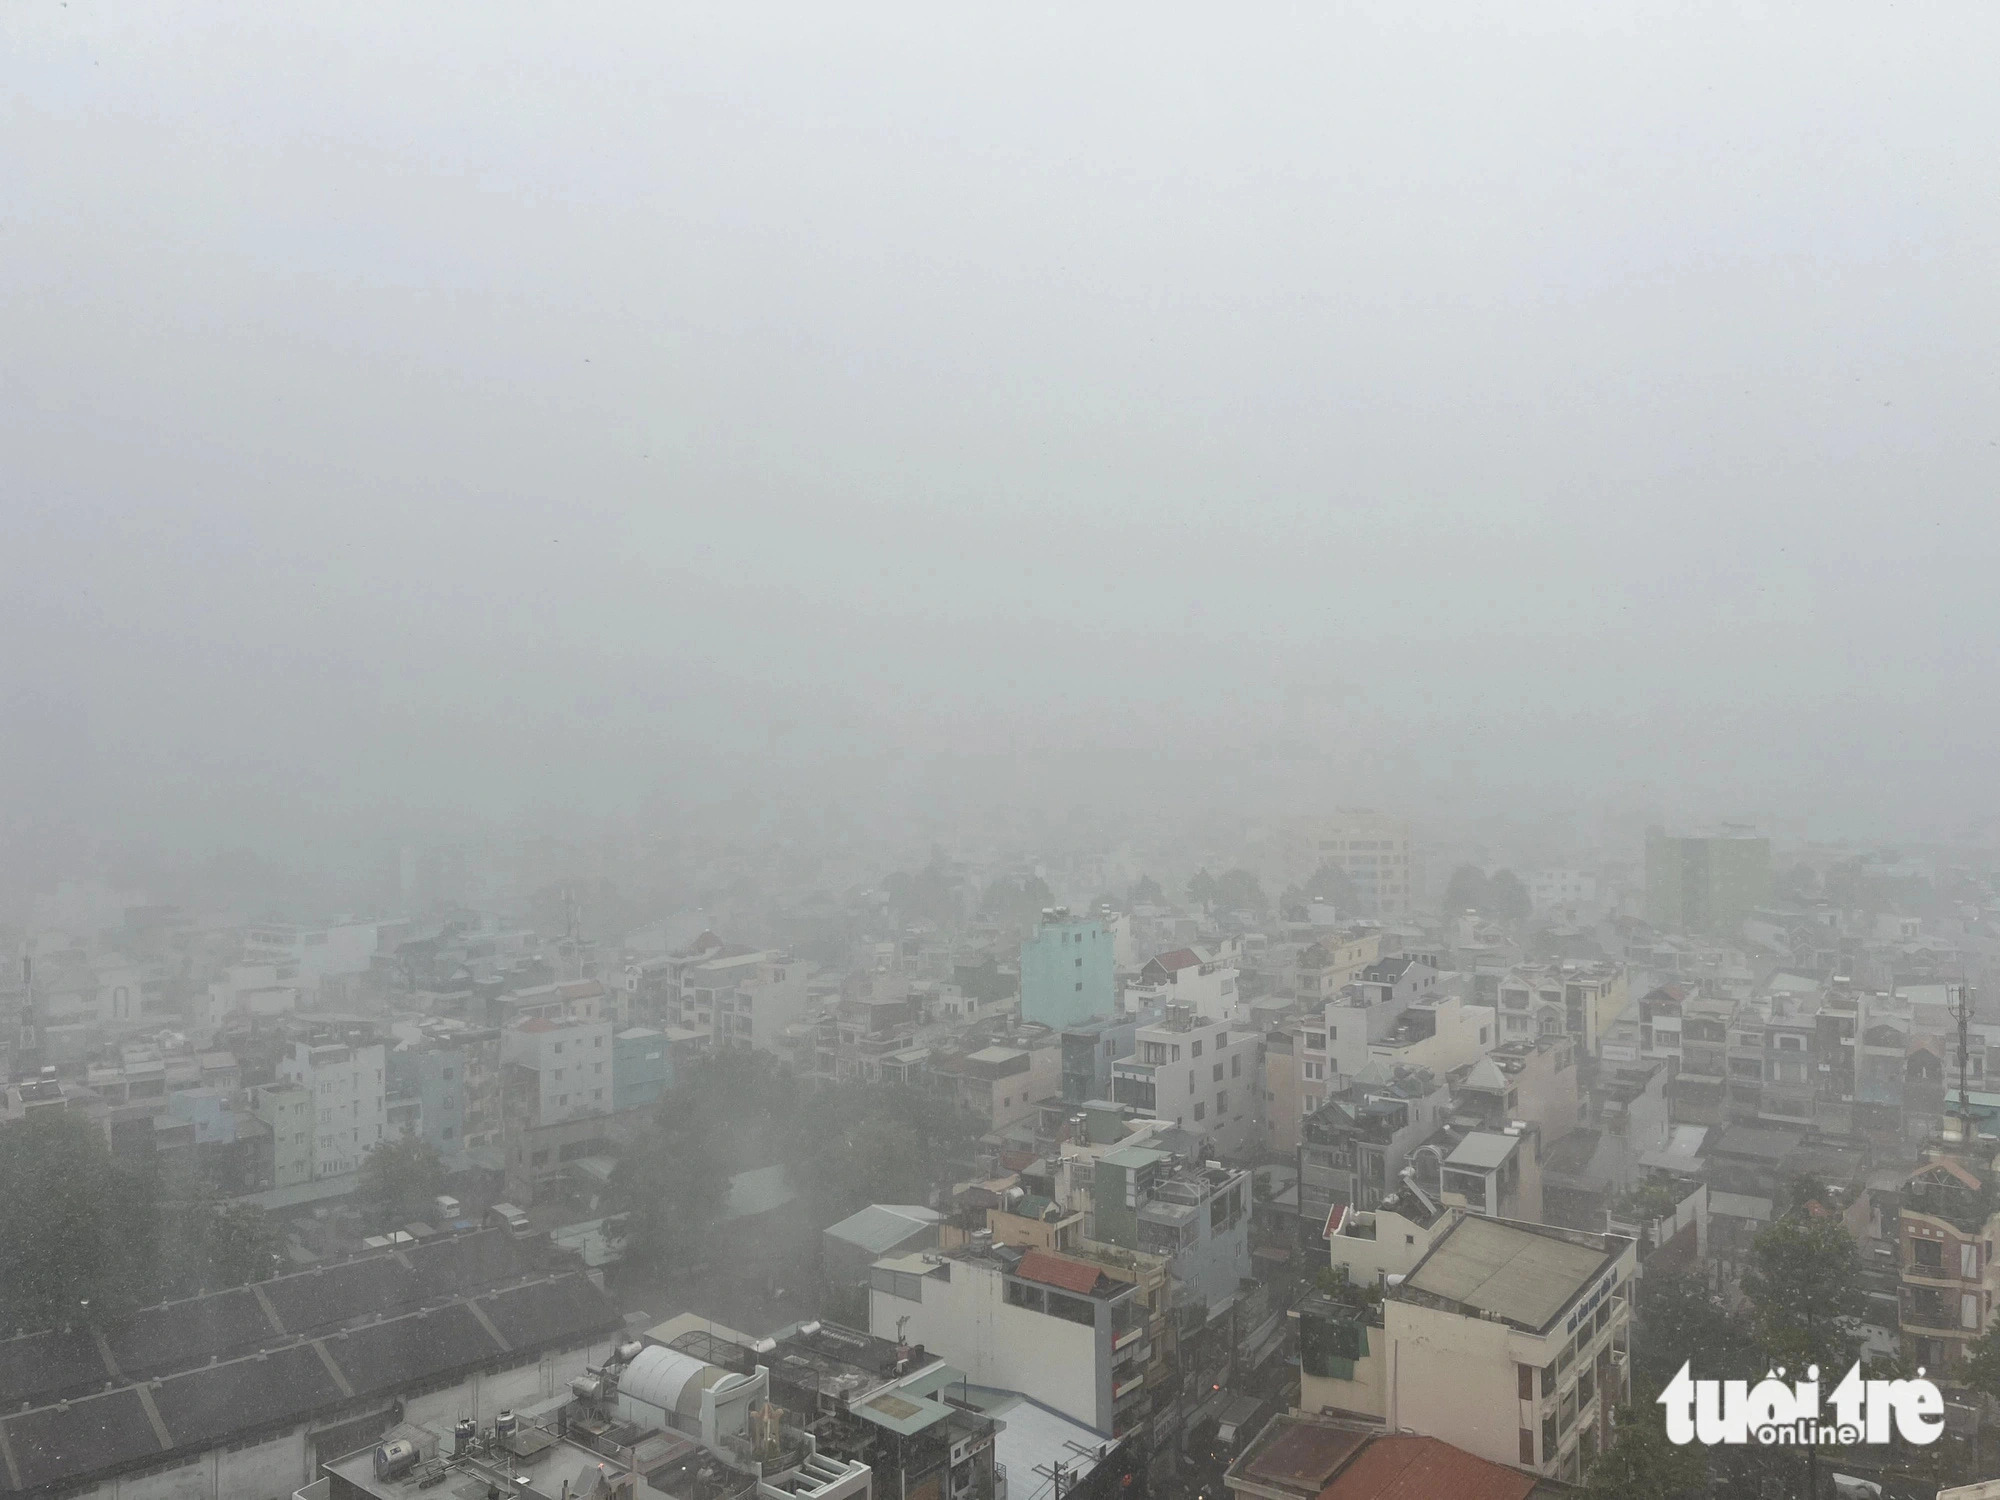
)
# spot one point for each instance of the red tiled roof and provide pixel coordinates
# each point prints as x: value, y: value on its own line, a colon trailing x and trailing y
x: 1423, y: 1468
x: 1054, y: 1270
x: 1299, y: 1454
x: 1180, y: 958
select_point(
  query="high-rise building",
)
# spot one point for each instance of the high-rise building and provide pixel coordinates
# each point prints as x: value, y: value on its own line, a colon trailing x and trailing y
x: 1373, y: 851
x: 1067, y: 972
x: 1705, y: 882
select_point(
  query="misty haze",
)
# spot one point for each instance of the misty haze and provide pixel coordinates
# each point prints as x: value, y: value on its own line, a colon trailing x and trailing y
x: 915, y: 753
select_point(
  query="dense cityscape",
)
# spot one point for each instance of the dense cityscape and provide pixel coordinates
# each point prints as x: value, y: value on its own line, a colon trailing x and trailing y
x: 1055, y: 752
x: 1352, y: 1164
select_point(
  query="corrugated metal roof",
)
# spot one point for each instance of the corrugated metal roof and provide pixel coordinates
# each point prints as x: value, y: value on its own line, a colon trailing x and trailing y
x: 881, y: 1227
x: 1053, y: 1270
x: 1482, y: 1150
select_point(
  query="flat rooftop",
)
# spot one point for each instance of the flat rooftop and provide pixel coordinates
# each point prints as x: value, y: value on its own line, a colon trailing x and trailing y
x: 1525, y: 1274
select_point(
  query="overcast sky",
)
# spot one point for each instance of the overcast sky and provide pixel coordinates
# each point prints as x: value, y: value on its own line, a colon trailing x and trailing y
x: 420, y: 406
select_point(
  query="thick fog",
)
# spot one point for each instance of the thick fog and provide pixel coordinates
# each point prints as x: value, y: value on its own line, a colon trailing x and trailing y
x: 426, y: 413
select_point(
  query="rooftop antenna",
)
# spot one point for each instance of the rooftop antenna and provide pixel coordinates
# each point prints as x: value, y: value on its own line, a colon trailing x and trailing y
x: 1960, y: 1007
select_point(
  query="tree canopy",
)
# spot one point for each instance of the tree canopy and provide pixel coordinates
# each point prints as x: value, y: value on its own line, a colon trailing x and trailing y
x: 1232, y: 890
x: 84, y: 1240
x: 400, y: 1180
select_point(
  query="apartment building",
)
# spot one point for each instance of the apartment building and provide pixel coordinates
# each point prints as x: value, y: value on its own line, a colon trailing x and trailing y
x: 745, y: 999
x: 1949, y: 1221
x: 287, y: 1109
x: 1205, y: 1075
x: 1401, y: 1012
x: 1068, y: 970
x: 1513, y: 1342
x: 1706, y: 882
x: 571, y: 1066
x: 1331, y: 962
x: 1000, y: 1084
x: 1197, y: 1217
x: 1198, y: 979
x: 1353, y: 1149
x: 1284, y: 1096
x: 1561, y: 890
x: 349, y: 1100
x: 1057, y: 1328
x: 1374, y: 852
x: 1089, y: 1050
x: 1579, y: 1000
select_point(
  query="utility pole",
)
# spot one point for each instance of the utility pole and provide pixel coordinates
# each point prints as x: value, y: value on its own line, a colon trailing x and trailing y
x: 1961, y: 1012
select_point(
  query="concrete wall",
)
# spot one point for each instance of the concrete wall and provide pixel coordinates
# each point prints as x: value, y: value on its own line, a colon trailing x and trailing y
x: 968, y: 1322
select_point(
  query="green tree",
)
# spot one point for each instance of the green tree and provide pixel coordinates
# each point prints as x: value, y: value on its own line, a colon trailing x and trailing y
x: 1330, y: 883
x: 670, y: 1183
x: 1146, y: 892
x: 1507, y: 896
x: 400, y: 1178
x: 206, y: 1242
x: 1681, y: 1320
x: 78, y: 1234
x: 1233, y: 890
x: 1982, y: 1362
x: 854, y: 1144
x: 1466, y: 890
x: 1805, y: 1293
x: 1642, y: 1463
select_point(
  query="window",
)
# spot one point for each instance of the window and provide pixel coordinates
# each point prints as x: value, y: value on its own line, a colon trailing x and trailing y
x: 1968, y: 1262
x: 1528, y: 1446
x: 1548, y: 1434
x: 1221, y: 1103
x: 1236, y: 1066
x: 1200, y: 1110
x: 1968, y: 1310
x: 1196, y: 1052
x: 1524, y: 1381
x: 1079, y: 986
x: 1927, y: 1255
x: 1218, y: 1074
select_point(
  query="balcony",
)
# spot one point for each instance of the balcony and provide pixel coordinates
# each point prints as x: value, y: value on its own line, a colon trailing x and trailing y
x: 1125, y: 1339
x: 1123, y: 1388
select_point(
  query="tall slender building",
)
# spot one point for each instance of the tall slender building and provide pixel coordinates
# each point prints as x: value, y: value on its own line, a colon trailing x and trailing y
x: 1706, y: 882
x: 1067, y: 973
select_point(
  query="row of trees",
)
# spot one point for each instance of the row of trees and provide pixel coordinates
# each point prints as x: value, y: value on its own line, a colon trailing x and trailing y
x: 1503, y: 895
x: 85, y: 1240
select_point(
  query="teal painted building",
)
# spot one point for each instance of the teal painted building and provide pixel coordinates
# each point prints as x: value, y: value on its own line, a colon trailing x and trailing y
x: 641, y: 1068
x: 1067, y: 974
